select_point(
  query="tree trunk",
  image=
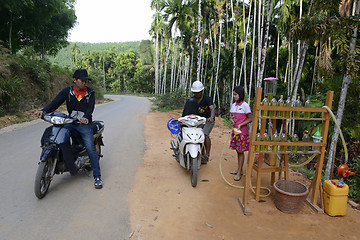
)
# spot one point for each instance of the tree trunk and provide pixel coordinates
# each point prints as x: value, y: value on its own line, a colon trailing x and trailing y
x: 298, y: 69
x: 103, y: 65
x: 345, y: 85
x: 218, y: 62
x: 277, y: 55
x: 10, y: 31
x: 173, y: 66
x: 264, y: 45
x: 235, y: 48
x: 252, y: 54
x: 259, y: 38
x: 156, y: 63
x: 199, y: 45
x: 161, y: 67
x: 165, y: 67
x: 300, y: 60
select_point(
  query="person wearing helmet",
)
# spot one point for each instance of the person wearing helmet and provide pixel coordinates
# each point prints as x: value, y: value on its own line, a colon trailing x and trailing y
x: 202, y: 105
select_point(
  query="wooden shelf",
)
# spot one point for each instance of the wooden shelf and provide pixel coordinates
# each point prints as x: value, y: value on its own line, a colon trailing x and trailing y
x: 299, y: 143
x: 290, y: 152
x: 294, y: 118
x: 315, y: 191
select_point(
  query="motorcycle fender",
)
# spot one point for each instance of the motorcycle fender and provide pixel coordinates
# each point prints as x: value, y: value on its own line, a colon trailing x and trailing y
x: 193, y: 149
x: 47, y: 152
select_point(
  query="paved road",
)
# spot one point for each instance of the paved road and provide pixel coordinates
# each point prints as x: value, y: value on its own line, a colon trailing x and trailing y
x: 73, y: 209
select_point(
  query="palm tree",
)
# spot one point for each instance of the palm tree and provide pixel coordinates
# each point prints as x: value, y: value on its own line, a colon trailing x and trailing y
x: 155, y: 5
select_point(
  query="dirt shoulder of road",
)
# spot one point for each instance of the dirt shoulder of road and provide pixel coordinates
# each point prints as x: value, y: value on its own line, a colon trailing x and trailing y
x: 164, y: 205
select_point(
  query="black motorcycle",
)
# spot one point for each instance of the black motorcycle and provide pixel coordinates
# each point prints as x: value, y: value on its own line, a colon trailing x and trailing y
x: 51, y: 159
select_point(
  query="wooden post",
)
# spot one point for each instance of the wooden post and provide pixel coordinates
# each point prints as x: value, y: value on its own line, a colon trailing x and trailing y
x: 315, y: 187
x: 250, y: 160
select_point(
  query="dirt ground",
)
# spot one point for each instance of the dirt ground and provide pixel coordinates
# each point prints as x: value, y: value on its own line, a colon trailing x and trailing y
x: 164, y: 205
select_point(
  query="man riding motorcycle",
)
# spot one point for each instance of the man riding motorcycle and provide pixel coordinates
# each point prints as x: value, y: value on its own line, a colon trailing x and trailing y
x: 202, y: 105
x: 80, y: 103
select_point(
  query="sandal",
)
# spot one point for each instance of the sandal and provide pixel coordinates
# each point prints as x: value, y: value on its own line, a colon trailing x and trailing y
x: 205, y: 157
x: 237, y: 178
x: 233, y: 172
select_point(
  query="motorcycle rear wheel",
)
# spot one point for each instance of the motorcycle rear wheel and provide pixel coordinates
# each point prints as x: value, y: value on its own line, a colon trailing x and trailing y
x: 193, y: 171
x: 43, y: 179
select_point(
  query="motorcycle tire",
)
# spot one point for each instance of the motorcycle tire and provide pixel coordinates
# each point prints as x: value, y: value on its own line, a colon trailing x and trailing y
x: 193, y: 170
x: 42, y: 179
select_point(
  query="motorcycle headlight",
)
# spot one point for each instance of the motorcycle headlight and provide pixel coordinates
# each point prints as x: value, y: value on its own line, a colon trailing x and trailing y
x: 57, y: 120
x: 193, y: 122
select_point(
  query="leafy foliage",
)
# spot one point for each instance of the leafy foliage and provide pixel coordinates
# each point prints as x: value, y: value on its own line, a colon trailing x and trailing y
x: 170, y: 101
x: 354, y: 181
x: 42, y: 24
x: 65, y: 57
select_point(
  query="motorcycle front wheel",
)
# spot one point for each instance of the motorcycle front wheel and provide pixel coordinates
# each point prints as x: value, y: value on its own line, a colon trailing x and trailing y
x: 193, y: 170
x: 43, y: 179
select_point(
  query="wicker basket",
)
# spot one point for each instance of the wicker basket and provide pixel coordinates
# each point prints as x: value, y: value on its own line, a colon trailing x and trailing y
x: 289, y: 195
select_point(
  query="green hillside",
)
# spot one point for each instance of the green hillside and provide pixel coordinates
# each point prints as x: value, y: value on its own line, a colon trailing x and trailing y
x: 63, y: 58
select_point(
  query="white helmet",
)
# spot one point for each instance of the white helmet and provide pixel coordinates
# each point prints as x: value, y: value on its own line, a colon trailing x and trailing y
x: 197, y: 86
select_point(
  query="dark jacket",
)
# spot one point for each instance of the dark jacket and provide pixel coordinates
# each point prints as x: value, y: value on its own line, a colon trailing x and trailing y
x: 202, y: 109
x: 83, y: 108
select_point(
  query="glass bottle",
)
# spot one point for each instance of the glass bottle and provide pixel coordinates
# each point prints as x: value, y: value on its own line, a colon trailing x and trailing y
x: 258, y: 138
x: 265, y: 137
x: 273, y: 103
x: 306, y: 138
x: 307, y: 105
x: 282, y: 139
x: 295, y: 138
x: 298, y: 103
x: 275, y: 138
x: 265, y: 102
x: 288, y: 104
x: 280, y: 104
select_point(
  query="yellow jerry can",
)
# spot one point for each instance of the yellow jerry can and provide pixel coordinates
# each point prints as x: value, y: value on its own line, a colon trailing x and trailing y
x: 335, y: 198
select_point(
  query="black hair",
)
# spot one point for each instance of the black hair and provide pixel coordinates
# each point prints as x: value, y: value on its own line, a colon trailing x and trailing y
x: 240, y: 91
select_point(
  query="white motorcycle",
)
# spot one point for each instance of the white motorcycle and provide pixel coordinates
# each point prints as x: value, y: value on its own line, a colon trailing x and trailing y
x: 189, y: 142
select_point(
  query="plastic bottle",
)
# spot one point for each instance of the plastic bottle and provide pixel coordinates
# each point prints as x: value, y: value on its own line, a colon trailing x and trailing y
x: 265, y: 137
x: 282, y: 139
x: 288, y: 104
x: 308, y: 105
x: 317, y: 139
x: 306, y: 138
x: 298, y: 103
x: 273, y: 103
x: 295, y: 138
x: 275, y: 138
x: 265, y: 102
x: 258, y: 138
x: 280, y: 104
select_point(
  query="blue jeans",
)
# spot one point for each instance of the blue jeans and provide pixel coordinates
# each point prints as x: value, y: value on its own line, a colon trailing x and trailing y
x: 87, y: 136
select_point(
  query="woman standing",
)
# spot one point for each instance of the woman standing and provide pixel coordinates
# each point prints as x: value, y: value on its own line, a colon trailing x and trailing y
x: 241, y: 116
